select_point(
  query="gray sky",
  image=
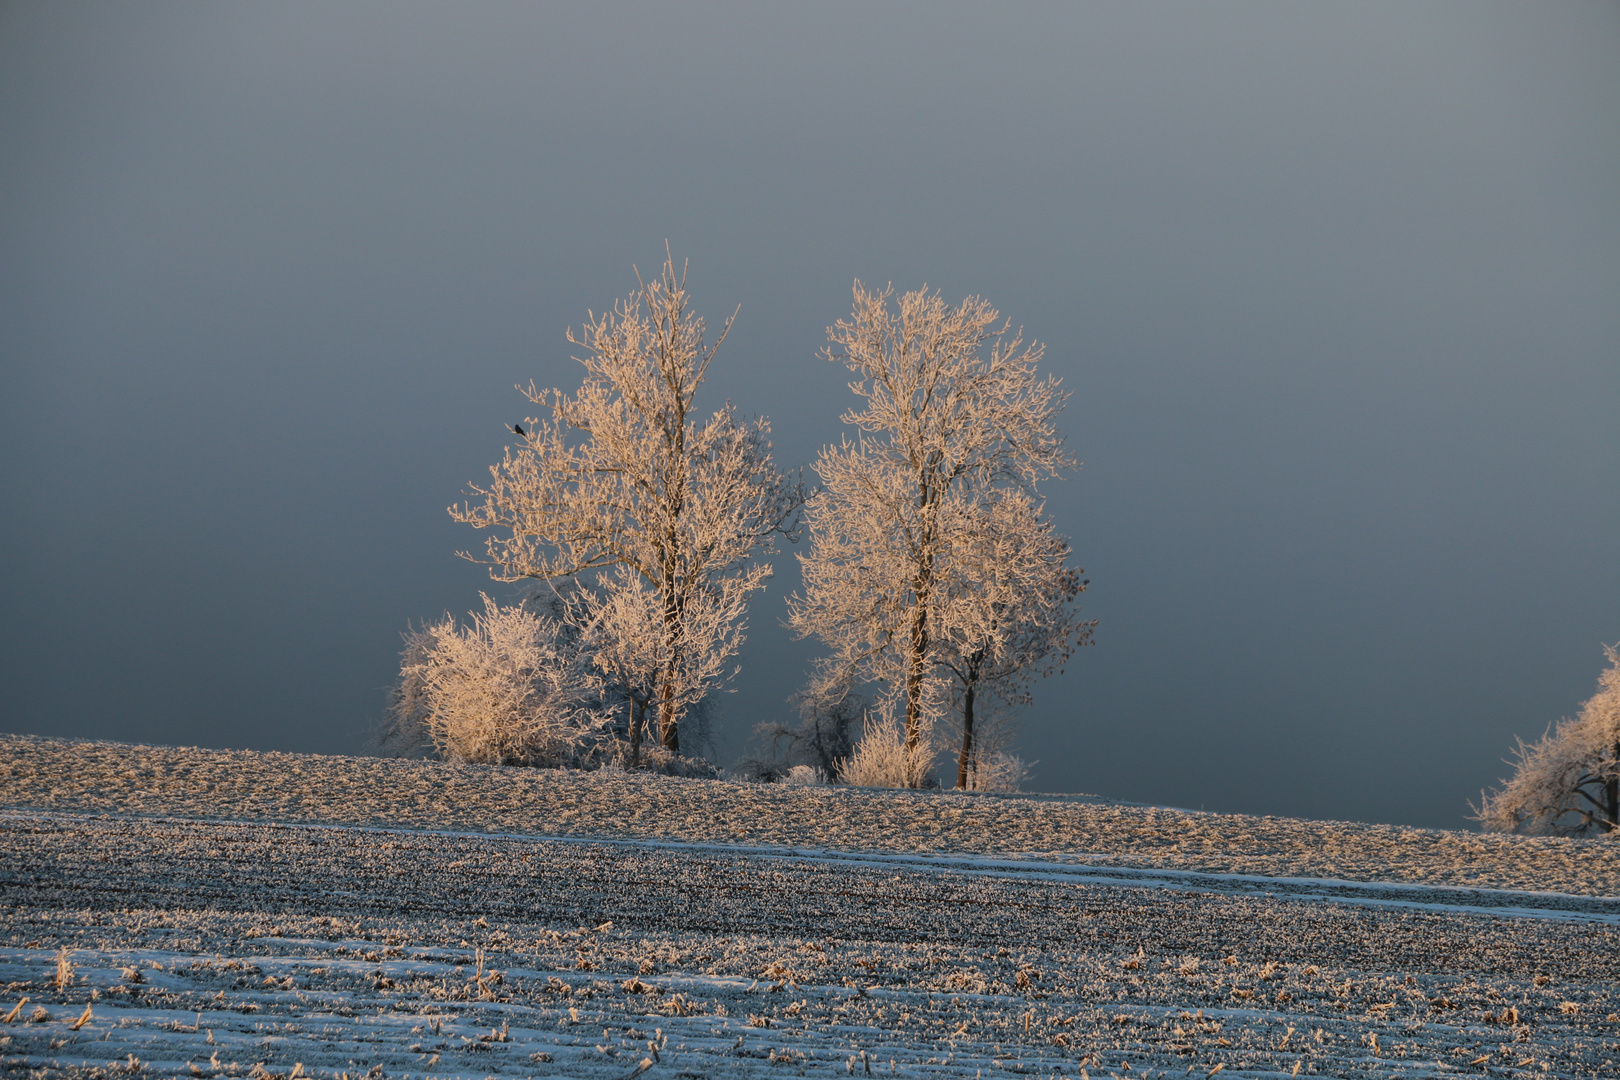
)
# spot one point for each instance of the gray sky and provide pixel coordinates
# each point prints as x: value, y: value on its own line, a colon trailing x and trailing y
x: 1336, y: 289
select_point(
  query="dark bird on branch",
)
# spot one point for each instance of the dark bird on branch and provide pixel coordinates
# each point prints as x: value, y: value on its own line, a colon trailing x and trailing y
x: 518, y: 428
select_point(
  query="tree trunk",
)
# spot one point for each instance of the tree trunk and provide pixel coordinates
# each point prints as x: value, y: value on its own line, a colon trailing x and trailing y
x: 917, y: 650
x: 669, y: 725
x: 1614, y: 794
x: 638, y: 716
x: 967, y: 738
x: 669, y: 721
x: 922, y: 587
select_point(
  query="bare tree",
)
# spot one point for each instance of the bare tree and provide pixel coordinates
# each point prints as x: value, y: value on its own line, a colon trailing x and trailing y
x: 512, y: 688
x: 823, y: 738
x: 624, y: 474
x: 991, y: 765
x: 1004, y: 614
x: 953, y: 417
x: 1568, y: 782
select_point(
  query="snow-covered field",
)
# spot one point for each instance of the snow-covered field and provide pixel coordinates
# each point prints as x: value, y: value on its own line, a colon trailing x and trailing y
x: 350, y: 915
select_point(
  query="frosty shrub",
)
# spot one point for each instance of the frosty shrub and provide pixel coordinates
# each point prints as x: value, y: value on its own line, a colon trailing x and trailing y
x: 1568, y: 782
x: 655, y: 759
x: 802, y: 776
x: 511, y: 688
x: 886, y: 758
x: 998, y: 771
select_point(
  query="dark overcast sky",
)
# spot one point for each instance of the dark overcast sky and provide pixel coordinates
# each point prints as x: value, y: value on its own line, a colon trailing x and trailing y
x: 1336, y: 289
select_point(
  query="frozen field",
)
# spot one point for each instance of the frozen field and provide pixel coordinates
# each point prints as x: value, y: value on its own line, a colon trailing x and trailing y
x: 821, y: 933
x: 243, y: 785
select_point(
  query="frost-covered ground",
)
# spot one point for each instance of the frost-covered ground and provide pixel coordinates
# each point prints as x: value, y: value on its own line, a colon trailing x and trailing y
x: 240, y: 948
x: 244, y: 785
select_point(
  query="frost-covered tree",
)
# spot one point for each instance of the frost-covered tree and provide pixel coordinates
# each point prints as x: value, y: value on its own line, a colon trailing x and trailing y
x: 953, y: 418
x: 625, y: 473
x: 514, y: 687
x: 622, y: 629
x: 1568, y: 782
x: 1004, y: 613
